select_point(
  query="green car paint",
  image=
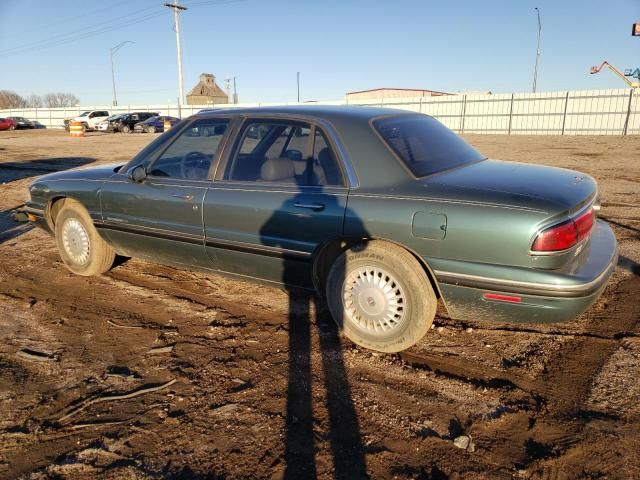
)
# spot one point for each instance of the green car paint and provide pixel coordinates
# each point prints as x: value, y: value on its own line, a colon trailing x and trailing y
x: 472, y: 226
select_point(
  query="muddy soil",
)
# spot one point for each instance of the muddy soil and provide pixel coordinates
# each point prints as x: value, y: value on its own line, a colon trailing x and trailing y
x: 154, y: 372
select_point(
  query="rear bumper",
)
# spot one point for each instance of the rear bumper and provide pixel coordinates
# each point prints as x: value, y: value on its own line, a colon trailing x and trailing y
x: 544, y: 295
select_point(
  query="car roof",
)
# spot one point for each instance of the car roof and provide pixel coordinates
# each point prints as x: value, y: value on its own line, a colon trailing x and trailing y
x: 327, y: 112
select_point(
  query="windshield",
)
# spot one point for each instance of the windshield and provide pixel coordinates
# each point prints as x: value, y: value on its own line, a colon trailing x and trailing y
x: 152, y: 119
x: 424, y: 145
x: 83, y: 114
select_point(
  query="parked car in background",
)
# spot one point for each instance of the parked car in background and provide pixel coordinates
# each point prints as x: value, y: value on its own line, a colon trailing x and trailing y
x: 127, y: 121
x: 384, y: 212
x: 7, y: 124
x: 108, y: 124
x: 89, y: 119
x: 22, y: 123
x: 155, y: 124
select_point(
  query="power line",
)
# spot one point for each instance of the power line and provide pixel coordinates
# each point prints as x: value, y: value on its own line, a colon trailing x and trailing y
x: 213, y: 2
x: 111, y: 7
x: 83, y: 33
x: 99, y: 28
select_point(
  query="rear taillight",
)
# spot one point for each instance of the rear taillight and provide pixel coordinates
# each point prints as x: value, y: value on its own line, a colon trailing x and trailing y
x: 565, y: 235
x: 584, y: 223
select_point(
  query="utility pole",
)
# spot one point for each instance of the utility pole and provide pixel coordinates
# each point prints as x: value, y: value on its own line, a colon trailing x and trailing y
x: 113, y: 50
x: 235, y: 92
x: 535, y: 69
x: 176, y: 18
x: 298, y: 78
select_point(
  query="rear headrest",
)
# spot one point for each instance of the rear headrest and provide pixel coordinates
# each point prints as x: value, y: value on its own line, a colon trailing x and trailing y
x: 277, y: 169
x: 325, y: 156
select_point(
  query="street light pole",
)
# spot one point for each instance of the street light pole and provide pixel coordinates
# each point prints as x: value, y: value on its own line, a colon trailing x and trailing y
x: 298, y: 80
x: 113, y: 50
x: 535, y: 69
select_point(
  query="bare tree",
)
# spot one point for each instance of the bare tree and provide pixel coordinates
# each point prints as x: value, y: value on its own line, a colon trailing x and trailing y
x: 9, y: 99
x: 60, y: 99
x: 35, y: 101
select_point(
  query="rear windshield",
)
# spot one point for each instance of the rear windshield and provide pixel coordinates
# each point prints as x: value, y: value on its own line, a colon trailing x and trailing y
x: 425, y: 145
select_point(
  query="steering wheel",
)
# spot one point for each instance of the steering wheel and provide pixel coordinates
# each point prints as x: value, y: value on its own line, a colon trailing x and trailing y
x: 195, y: 165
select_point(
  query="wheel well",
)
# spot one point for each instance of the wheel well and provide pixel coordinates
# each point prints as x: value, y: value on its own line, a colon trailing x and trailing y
x: 55, y: 205
x: 328, y: 253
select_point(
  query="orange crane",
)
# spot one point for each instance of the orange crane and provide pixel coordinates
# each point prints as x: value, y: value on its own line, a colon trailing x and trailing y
x: 597, y: 69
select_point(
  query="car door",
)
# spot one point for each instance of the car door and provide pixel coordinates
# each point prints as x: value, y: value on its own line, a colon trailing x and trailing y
x: 160, y: 216
x: 269, y: 208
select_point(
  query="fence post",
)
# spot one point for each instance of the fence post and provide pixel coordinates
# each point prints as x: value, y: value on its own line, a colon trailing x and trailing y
x: 463, y: 112
x: 626, y: 120
x: 421, y: 104
x: 510, y: 114
x: 564, y: 116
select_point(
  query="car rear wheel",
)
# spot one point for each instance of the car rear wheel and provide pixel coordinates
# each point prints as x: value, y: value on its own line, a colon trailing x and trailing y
x: 126, y: 129
x: 12, y: 127
x: 81, y: 248
x: 151, y: 129
x: 380, y: 296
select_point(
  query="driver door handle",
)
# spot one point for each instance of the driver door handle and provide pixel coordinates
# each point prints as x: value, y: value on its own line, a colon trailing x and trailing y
x: 186, y: 196
x: 316, y: 207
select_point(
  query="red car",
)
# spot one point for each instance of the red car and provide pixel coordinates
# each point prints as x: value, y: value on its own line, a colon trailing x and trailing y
x: 7, y: 124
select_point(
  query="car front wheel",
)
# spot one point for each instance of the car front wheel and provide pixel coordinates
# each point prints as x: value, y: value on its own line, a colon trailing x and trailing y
x: 12, y: 127
x: 81, y: 248
x: 380, y: 297
x: 151, y: 129
x: 126, y: 129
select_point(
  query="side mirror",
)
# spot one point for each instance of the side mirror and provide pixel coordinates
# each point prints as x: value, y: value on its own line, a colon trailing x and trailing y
x: 137, y: 174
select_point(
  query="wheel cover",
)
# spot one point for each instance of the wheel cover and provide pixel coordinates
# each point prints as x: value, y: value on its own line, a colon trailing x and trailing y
x: 374, y: 301
x: 75, y: 241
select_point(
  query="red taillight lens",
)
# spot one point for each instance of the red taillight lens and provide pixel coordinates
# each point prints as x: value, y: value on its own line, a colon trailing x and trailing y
x: 560, y: 237
x: 584, y: 223
x: 565, y: 235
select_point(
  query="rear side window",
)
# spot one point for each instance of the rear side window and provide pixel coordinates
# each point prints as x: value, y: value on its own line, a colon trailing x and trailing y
x: 424, y: 145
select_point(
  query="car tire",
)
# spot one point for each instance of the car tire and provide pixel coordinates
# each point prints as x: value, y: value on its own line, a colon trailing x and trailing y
x: 81, y: 248
x: 151, y: 129
x: 12, y: 127
x: 126, y: 129
x: 380, y: 296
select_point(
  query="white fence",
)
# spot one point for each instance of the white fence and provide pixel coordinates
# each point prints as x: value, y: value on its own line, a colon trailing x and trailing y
x: 580, y: 112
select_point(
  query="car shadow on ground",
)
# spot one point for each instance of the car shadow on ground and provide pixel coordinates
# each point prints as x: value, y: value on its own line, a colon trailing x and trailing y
x: 18, y: 170
x: 630, y: 265
x: 9, y: 228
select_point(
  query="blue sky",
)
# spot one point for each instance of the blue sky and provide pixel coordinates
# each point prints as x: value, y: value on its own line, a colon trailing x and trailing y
x: 337, y: 45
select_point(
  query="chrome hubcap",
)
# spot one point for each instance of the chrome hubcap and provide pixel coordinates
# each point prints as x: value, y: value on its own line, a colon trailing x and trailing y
x: 373, y: 300
x: 75, y: 240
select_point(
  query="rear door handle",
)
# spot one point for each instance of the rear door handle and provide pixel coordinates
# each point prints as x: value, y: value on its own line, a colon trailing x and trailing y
x: 316, y: 207
x: 186, y: 196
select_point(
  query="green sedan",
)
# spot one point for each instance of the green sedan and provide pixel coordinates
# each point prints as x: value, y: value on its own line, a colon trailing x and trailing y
x: 383, y: 212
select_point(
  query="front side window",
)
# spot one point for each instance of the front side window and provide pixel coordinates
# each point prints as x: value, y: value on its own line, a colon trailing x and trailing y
x: 191, y: 153
x: 424, y: 145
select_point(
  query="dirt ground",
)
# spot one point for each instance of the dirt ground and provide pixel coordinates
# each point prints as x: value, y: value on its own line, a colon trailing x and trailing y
x: 153, y: 372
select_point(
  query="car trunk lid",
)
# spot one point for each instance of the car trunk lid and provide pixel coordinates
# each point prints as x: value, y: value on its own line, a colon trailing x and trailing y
x: 554, y: 190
